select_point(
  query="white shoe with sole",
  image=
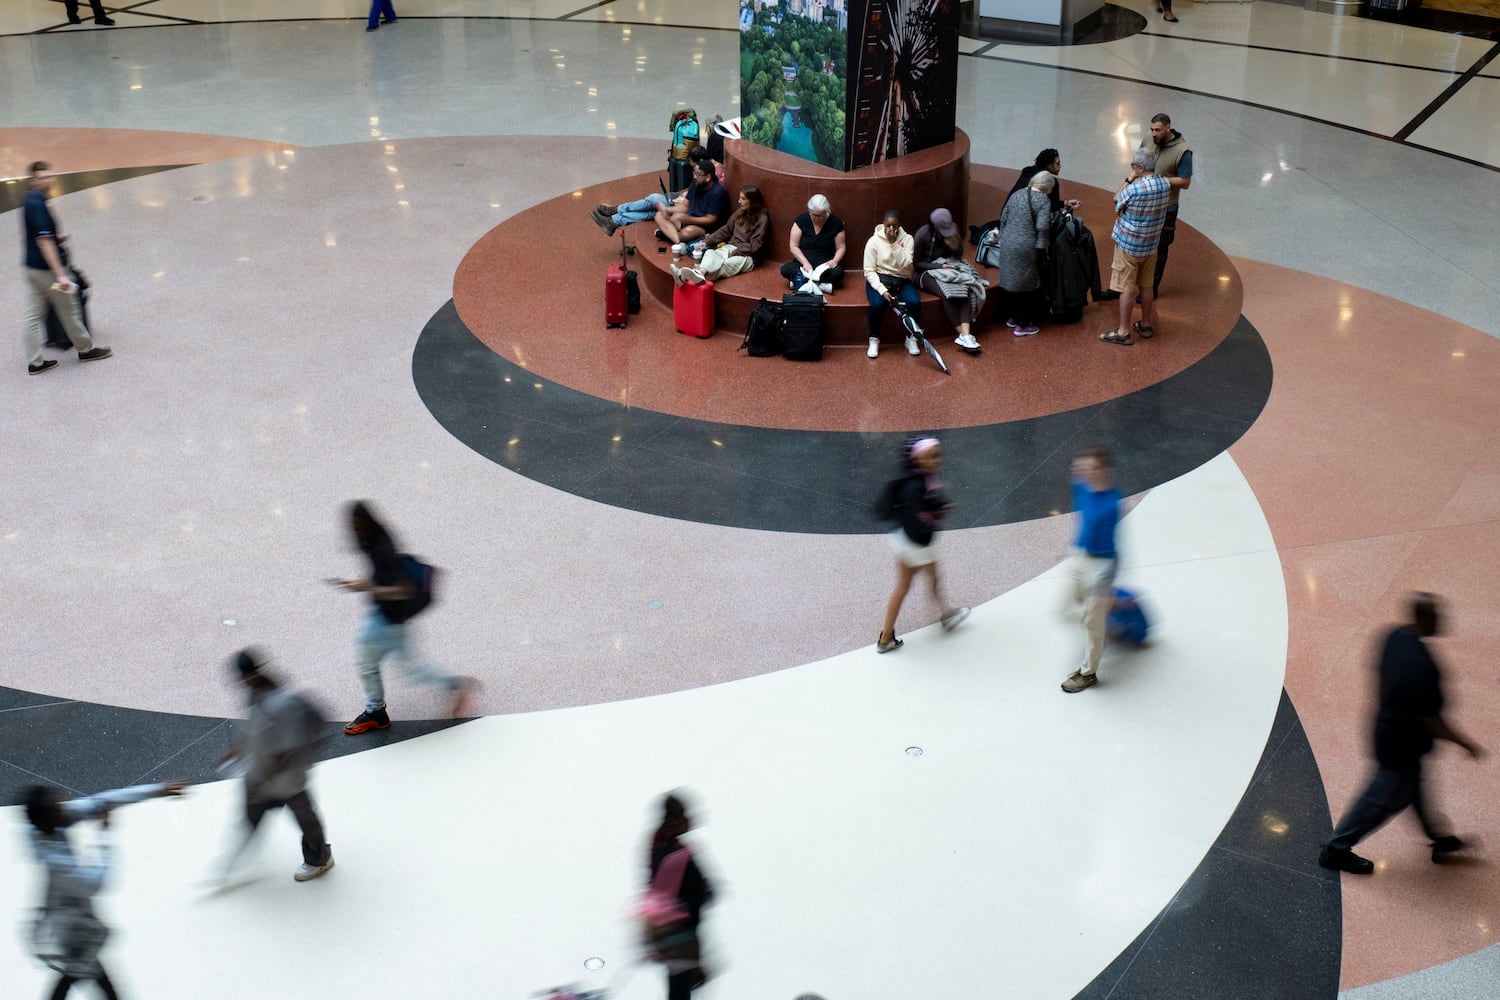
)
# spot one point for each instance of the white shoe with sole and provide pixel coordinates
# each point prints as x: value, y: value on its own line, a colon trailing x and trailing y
x: 911, y: 346
x: 874, y: 351
x: 306, y: 872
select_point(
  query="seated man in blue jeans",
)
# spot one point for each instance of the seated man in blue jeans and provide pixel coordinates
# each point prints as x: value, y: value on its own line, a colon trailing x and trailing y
x: 695, y: 212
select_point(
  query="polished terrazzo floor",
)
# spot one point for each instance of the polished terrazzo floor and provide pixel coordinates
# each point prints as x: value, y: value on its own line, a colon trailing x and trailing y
x: 661, y: 570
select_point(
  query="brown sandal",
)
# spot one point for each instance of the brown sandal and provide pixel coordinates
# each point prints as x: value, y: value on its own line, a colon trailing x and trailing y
x: 1113, y: 337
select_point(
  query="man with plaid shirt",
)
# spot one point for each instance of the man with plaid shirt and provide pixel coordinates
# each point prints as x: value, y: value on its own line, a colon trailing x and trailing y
x: 1141, y: 211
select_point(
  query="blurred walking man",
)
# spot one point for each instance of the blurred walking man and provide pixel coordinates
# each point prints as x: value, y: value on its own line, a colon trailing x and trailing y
x: 277, y: 750
x: 1409, y: 719
x: 47, y: 279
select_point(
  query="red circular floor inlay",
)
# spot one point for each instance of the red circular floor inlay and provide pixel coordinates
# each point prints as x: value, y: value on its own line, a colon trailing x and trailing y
x: 532, y: 289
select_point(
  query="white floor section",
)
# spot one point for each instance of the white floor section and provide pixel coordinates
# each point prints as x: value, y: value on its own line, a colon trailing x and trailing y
x: 1032, y: 839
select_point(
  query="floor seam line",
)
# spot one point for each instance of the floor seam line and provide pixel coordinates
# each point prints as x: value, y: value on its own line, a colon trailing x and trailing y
x: 180, y: 751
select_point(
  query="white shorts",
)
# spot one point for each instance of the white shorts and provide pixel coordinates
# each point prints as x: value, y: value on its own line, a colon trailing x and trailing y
x: 909, y: 552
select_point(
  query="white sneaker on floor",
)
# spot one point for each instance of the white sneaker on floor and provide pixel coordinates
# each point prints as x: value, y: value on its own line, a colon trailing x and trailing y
x: 967, y: 342
x: 954, y: 618
x: 911, y: 346
x: 306, y: 872
x: 874, y: 351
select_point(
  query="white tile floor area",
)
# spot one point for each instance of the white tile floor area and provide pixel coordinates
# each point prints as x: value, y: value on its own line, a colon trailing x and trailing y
x: 495, y: 858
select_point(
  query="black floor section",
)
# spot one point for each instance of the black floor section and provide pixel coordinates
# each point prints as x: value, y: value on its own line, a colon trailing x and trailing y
x: 823, y: 481
x: 1258, y: 918
x: 13, y: 190
x: 85, y: 748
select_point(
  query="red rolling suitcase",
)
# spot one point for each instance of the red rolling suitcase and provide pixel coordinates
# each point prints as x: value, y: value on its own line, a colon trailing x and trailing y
x: 616, y: 301
x: 693, y: 309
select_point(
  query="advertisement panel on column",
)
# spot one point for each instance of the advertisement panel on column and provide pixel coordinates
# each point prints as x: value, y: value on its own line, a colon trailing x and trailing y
x: 903, y: 78
x: 793, y: 73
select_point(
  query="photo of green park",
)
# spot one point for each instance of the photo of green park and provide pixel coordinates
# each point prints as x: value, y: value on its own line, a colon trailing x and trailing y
x: 793, y: 68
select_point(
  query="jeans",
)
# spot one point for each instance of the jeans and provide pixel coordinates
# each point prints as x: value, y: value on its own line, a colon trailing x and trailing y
x: 379, y: 638
x: 378, y: 7
x: 899, y: 287
x: 1390, y: 791
x: 315, y: 848
x: 639, y: 211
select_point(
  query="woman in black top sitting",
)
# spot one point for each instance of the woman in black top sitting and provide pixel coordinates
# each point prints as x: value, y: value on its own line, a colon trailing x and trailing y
x: 817, y: 245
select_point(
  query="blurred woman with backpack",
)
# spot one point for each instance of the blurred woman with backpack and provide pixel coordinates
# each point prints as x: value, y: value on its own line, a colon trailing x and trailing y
x: 916, y: 501
x: 398, y: 592
x: 673, y: 907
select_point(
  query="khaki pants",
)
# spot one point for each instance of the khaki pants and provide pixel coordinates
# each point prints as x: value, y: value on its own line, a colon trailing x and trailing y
x: 1091, y: 580
x: 34, y: 321
x: 718, y: 264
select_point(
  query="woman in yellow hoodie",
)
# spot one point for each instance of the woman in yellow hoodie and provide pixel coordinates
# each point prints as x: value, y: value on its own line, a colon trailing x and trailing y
x: 888, y: 267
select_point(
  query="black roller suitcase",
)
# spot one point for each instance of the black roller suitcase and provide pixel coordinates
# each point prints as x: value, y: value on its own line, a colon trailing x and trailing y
x: 802, y: 327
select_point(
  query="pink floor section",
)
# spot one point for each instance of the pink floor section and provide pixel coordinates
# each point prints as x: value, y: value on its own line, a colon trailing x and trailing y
x: 1377, y: 461
x: 74, y: 149
x: 548, y: 318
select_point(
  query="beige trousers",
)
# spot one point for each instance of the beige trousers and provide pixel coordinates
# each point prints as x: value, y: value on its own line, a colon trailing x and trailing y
x: 718, y: 264
x: 34, y: 321
x: 1091, y: 582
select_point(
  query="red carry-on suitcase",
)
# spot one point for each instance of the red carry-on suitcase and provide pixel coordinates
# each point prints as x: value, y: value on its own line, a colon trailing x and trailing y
x: 622, y: 292
x: 616, y: 301
x: 693, y: 309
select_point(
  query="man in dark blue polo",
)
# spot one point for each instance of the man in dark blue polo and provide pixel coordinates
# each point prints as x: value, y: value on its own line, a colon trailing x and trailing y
x: 47, y: 279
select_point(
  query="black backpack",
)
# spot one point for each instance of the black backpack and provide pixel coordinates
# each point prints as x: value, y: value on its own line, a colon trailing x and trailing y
x: 885, y: 507
x: 763, y: 332
x: 424, y: 584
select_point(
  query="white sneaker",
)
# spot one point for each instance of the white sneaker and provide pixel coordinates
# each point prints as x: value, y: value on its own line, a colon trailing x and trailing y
x: 677, y: 274
x: 954, y: 618
x: 911, y: 346
x: 967, y: 342
x: 695, y: 276
x: 874, y: 351
x: 305, y: 871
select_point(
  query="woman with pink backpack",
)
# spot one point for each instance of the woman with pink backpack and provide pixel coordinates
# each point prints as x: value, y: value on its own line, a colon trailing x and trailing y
x: 673, y: 905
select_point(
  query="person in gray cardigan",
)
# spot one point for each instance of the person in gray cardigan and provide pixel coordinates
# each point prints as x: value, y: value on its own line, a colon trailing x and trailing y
x: 1025, y: 233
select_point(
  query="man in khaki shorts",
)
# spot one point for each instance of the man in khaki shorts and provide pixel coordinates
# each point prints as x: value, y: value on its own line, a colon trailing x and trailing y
x: 1140, y: 212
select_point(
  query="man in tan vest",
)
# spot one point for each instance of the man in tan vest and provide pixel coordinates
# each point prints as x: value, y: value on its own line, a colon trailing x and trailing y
x: 1174, y: 161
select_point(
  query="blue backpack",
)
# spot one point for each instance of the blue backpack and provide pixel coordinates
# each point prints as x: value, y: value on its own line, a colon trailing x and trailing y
x: 1127, y: 622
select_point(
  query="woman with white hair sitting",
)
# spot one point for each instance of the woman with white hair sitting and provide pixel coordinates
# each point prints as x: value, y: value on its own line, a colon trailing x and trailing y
x: 1025, y: 232
x: 817, y: 245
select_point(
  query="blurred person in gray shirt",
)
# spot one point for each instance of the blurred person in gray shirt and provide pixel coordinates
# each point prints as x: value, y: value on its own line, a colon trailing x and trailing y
x: 276, y: 750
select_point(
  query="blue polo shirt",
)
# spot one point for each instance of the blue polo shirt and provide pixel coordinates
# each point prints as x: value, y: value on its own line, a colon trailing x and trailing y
x: 36, y: 221
x: 714, y: 201
x: 1101, y: 512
